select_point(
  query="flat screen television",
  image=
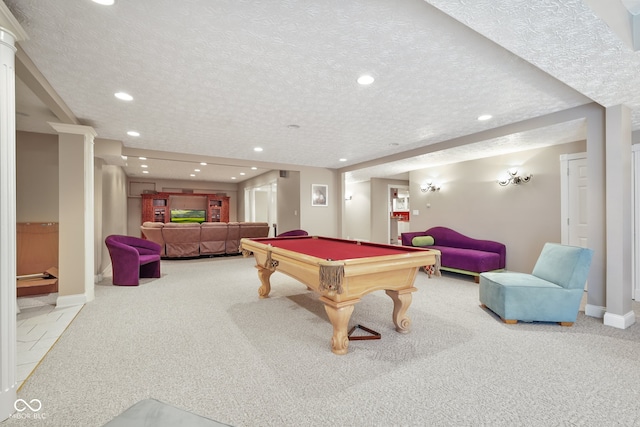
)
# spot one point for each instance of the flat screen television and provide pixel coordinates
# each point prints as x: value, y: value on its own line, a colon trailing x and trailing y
x: 188, y: 215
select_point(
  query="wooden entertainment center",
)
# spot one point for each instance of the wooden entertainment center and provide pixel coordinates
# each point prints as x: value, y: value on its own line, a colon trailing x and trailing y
x: 156, y: 207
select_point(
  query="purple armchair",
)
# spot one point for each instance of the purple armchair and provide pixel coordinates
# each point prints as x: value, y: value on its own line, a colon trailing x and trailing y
x: 291, y: 233
x: 132, y: 258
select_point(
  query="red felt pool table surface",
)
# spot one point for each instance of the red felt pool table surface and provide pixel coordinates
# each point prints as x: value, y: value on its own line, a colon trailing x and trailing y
x: 342, y: 271
x: 335, y: 249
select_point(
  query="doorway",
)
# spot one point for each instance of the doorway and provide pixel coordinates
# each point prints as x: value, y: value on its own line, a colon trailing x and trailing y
x: 398, y: 208
x: 261, y: 205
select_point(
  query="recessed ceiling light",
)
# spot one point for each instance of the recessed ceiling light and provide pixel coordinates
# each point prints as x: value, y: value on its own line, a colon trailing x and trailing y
x: 193, y: 174
x: 394, y: 144
x: 253, y: 168
x: 242, y: 174
x: 233, y: 177
x: 144, y: 166
x: 365, y: 80
x: 124, y: 157
x: 203, y: 164
x: 145, y: 171
x: 133, y: 133
x: 123, y: 96
x: 196, y: 170
x: 484, y: 117
x: 343, y: 160
x: 104, y: 2
x: 142, y: 158
x: 257, y: 149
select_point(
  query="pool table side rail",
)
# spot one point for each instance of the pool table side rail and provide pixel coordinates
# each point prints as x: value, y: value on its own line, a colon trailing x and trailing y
x: 359, y: 275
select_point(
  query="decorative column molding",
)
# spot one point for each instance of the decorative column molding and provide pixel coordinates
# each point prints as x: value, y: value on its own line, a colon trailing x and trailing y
x: 8, y: 336
x: 76, y: 215
x: 10, y: 33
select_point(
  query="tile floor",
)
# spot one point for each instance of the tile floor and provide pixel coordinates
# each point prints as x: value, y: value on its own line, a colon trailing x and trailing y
x: 39, y: 325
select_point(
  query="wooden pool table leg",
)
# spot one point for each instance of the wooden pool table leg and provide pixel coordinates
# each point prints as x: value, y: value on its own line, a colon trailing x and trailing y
x: 264, y: 274
x: 401, y: 302
x: 339, y: 314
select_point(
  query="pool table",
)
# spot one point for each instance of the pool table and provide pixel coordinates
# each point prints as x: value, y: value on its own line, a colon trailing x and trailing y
x: 342, y: 271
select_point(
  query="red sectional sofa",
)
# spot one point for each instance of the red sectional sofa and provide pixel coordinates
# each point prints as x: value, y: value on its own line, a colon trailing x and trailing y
x: 189, y: 240
x: 460, y: 253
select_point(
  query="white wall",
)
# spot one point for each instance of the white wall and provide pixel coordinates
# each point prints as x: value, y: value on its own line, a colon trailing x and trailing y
x: 320, y: 220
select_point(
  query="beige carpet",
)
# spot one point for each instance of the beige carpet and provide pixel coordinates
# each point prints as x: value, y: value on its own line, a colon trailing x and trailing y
x: 199, y: 339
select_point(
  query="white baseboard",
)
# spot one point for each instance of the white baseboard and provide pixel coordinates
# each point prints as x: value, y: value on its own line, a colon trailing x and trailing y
x: 595, y: 311
x: 620, y: 321
x: 71, y: 300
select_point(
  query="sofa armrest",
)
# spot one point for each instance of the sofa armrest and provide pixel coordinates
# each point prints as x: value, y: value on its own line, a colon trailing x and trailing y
x: 119, y: 251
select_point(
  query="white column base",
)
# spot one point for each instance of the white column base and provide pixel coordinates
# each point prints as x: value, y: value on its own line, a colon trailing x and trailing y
x: 7, y: 400
x: 618, y: 321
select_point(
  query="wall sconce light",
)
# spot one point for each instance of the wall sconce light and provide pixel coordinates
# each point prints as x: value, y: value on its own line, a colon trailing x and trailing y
x: 514, y: 178
x: 429, y: 186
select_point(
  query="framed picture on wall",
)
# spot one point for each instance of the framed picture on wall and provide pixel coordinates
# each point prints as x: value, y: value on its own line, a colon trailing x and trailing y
x: 319, y: 195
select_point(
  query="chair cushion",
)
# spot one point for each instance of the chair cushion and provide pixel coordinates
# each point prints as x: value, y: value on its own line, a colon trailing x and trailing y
x: 146, y: 259
x: 468, y: 259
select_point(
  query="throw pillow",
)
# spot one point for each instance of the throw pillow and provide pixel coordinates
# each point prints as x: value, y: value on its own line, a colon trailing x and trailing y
x: 422, y: 241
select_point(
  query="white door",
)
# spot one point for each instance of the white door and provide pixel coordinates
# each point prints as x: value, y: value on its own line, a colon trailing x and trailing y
x: 573, y: 204
x: 574, y: 199
x: 577, y: 219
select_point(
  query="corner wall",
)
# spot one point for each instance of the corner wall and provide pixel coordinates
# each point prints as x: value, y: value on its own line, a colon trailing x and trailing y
x: 114, y: 209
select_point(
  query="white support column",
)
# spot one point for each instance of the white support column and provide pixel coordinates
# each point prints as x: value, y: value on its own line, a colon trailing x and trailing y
x: 619, y: 312
x: 76, y: 263
x: 8, y: 361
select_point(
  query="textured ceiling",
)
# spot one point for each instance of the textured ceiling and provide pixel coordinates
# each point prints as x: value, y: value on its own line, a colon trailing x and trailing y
x: 216, y: 79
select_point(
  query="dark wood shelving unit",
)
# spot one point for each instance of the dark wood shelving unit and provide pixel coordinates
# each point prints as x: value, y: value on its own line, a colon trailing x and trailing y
x: 157, y: 207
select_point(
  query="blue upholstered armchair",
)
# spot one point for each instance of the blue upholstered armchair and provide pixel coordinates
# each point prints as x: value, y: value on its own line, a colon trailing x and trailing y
x: 551, y: 293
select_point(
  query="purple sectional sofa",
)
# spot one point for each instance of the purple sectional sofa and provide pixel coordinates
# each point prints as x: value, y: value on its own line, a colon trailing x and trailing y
x: 460, y: 253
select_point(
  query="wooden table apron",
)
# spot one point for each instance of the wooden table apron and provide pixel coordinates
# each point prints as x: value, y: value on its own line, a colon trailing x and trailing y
x: 395, y: 274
